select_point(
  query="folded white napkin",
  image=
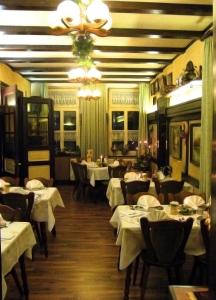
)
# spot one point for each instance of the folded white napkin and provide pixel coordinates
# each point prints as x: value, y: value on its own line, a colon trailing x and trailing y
x: 83, y: 162
x: 194, y: 201
x: 3, y: 223
x: 116, y: 163
x: 148, y: 201
x: 34, y: 184
x: 3, y: 183
x: 131, y: 176
x: 92, y: 164
x: 160, y: 175
x: 157, y: 215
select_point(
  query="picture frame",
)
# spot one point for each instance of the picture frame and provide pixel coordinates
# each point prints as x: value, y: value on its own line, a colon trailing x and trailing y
x: 195, y: 138
x: 153, y: 139
x: 175, y: 145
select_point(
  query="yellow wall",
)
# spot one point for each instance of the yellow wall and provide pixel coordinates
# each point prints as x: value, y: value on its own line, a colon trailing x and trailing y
x: 10, y: 77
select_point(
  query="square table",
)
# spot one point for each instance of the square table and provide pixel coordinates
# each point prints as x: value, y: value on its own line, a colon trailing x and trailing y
x: 17, y: 240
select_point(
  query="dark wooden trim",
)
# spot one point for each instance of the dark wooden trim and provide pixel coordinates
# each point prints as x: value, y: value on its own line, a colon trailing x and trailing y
x: 184, y: 109
x: 121, y: 7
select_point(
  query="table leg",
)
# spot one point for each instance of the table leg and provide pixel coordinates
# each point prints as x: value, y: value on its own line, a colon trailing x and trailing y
x: 127, y: 282
x: 23, y: 275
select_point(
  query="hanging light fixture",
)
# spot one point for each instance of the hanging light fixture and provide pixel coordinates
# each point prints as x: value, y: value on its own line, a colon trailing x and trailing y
x: 81, y: 16
x: 89, y: 93
x: 84, y: 75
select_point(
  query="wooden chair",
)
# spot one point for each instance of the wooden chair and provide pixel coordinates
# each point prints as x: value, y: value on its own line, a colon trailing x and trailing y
x: 46, y: 182
x: 17, y: 207
x: 84, y: 183
x: 14, y: 181
x: 117, y: 172
x: 75, y: 167
x: 164, y: 247
x: 199, y: 273
x: 168, y: 187
x: 133, y: 187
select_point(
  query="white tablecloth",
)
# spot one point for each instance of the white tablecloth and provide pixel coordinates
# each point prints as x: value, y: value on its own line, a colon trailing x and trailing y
x: 45, y: 202
x: 16, y: 239
x: 115, y: 196
x: 130, y: 237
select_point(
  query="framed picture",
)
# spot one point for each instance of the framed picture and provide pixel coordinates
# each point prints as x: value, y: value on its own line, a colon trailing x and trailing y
x: 152, y: 139
x: 175, y: 142
x: 195, y: 136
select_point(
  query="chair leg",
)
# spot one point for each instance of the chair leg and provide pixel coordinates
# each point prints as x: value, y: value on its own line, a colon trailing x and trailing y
x: 44, y: 237
x: 24, y: 276
x: 146, y: 270
x: 127, y: 282
x: 53, y: 231
x: 193, y: 272
x: 16, y: 280
x: 136, y: 270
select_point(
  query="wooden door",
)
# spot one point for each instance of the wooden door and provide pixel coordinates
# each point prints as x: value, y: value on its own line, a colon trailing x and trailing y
x: 11, y: 131
x: 38, y: 137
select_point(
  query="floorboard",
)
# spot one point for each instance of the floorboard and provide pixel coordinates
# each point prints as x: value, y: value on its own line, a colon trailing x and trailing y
x: 82, y: 262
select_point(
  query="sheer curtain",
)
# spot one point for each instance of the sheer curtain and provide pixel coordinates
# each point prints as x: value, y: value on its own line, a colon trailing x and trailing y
x: 144, y: 97
x: 206, y: 119
x: 93, y: 124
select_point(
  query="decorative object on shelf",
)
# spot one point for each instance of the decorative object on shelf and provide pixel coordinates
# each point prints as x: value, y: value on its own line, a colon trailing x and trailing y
x: 190, y: 73
x: 81, y: 16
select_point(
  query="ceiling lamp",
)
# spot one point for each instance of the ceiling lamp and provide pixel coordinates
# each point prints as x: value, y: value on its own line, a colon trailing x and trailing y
x: 83, y: 16
x: 83, y: 75
x: 89, y: 94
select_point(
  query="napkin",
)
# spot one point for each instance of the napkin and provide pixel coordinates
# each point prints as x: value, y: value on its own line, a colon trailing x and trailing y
x: 3, y: 223
x: 116, y: 163
x: 131, y: 176
x: 34, y: 184
x: 158, y: 215
x: 194, y: 201
x: 92, y: 164
x: 160, y: 175
x: 3, y: 183
x: 148, y: 201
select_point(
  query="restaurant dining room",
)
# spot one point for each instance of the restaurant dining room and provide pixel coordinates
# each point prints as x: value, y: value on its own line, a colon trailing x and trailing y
x: 107, y: 150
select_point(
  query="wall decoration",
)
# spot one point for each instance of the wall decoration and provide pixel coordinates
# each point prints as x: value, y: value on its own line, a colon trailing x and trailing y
x: 152, y: 139
x: 175, y: 148
x: 195, y: 135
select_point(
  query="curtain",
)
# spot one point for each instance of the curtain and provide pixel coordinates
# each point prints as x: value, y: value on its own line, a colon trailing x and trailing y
x: 144, y: 98
x: 206, y: 118
x: 93, y: 128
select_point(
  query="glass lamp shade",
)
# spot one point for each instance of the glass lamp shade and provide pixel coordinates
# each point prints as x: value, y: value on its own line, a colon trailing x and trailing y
x: 69, y: 11
x: 54, y: 20
x: 108, y: 24
x: 77, y: 74
x: 94, y: 74
x: 97, y: 10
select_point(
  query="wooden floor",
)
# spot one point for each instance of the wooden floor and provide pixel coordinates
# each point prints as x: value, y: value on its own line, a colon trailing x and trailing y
x: 82, y: 262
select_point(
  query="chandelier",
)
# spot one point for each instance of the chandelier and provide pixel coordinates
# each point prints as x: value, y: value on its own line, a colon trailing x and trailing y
x: 84, y: 75
x: 89, y: 94
x: 81, y: 16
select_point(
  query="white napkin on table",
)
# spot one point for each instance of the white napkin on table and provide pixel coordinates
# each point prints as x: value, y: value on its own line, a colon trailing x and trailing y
x: 34, y: 184
x: 148, y: 201
x: 157, y: 215
x: 131, y: 176
x: 194, y: 201
x: 115, y: 163
x: 160, y: 175
x: 3, y: 183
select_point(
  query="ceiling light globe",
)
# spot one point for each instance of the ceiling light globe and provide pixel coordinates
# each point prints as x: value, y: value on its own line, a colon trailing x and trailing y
x: 96, y: 93
x: 108, y: 24
x: 97, y: 10
x: 69, y: 11
x: 54, y: 21
x: 94, y: 74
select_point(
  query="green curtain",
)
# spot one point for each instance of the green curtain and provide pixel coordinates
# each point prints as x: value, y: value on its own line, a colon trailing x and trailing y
x: 144, y: 98
x: 206, y: 119
x: 94, y: 123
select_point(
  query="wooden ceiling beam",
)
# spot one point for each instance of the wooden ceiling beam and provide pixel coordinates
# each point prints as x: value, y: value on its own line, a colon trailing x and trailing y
x: 115, y: 32
x: 102, y: 69
x: 118, y: 7
x: 103, y: 76
x: 116, y: 49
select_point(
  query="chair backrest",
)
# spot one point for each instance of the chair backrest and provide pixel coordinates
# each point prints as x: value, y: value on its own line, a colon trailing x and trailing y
x: 133, y: 187
x: 15, y: 181
x: 46, y: 182
x: 19, y: 201
x: 165, y: 240
x: 171, y: 186
x: 10, y: 214
x: 117, y: 172
x: 82, y: 173
x: 182, y: 195
x: 74, y: 166
x: 204, y: 227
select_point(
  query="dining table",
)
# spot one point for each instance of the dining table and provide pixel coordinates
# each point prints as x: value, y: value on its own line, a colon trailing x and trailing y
x: 17, y: 241
x: 115, y: 196
x: 126, y: 219
x: 95, y: 173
